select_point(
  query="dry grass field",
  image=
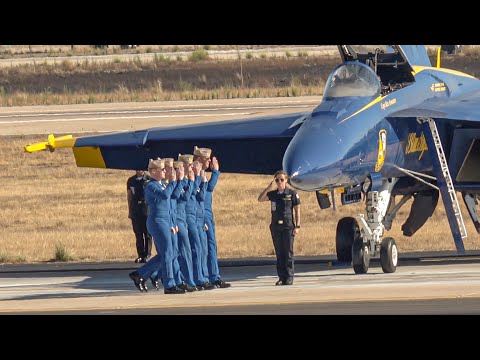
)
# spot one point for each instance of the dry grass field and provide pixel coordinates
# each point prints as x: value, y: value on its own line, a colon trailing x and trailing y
x: 160, y: 80
x: 50, y: 206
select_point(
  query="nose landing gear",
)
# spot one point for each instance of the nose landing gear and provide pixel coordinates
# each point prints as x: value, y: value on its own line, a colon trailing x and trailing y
x: 364, y: 235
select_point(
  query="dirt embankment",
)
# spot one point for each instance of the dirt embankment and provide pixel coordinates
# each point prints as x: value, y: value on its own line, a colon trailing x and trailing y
x: 68, y: 77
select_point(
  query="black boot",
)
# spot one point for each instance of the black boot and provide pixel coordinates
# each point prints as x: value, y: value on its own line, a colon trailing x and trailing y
x: 137, y: 280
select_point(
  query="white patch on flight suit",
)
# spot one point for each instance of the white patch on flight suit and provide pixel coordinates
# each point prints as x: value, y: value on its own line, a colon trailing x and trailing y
x: 298, y: 197
x: 274, y: 206
x: 132, y: 189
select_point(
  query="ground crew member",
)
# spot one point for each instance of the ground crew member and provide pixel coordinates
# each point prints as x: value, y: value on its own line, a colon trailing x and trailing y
x: 137, y: 212
x: 203, y: 155
x: 285, y: 207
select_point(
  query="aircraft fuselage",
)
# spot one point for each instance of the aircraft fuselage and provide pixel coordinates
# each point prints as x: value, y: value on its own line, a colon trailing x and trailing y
x: 348, y: 138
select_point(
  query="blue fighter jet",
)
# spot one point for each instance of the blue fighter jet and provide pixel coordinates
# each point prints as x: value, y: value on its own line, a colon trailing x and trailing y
x: 389, y: 125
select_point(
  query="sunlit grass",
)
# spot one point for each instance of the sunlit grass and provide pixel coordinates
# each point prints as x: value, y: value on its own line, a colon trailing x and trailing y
x: 62, y: 253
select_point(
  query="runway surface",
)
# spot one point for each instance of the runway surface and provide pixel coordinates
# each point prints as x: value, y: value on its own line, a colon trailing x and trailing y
x: 418, y: 287
x: 85, y: 118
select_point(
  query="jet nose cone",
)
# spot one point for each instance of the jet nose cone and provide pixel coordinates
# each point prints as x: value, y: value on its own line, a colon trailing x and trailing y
x: 302, y: 170
x: 298, y: 167
x: 313, y: 158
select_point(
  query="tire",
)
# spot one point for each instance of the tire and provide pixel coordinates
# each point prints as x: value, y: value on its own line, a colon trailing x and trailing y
x: 360, y: 256
x: 389, y: 255
x: 347, y: 231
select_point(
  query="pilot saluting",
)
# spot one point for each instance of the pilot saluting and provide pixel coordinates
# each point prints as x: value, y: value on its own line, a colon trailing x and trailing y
x: 285, y: 207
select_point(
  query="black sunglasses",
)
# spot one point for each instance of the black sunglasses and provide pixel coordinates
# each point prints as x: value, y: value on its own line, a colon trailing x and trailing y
x: 278, y: 180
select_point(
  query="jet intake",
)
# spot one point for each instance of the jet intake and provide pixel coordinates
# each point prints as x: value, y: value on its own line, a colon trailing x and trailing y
x: 469, y: 170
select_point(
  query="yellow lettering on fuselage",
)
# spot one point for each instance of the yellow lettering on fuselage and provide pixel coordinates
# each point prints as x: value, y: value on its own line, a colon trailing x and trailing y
x: 416, y: 144
x: 388, y: 103
x: 438, y: 87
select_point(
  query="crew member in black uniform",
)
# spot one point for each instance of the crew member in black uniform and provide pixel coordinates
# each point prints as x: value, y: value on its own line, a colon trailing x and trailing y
x: 285, y: 204
x: 137, y: 212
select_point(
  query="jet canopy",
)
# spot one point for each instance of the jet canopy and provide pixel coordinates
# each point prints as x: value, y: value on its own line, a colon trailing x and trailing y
x: 352, y: 79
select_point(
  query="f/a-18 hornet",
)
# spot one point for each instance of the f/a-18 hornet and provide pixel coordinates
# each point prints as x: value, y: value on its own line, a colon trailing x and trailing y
x: 389, y: 124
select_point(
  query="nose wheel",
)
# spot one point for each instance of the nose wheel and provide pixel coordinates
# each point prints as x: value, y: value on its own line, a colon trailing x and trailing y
x: 389, y: 255
x: 360, y: 256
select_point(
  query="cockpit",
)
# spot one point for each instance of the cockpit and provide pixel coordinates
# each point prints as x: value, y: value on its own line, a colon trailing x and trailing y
x: 389, y: 64
x: 352, y: 79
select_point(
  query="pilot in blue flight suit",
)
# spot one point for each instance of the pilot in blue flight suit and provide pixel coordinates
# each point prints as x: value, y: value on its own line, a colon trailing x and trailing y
x: 200, y: 218
x: 203, y: 156
x: 169, y: 168
x: 193, y: 234
x: 184, y: 249
x: 159, y: 225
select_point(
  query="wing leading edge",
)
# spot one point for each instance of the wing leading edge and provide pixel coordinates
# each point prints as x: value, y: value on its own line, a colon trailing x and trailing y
x: 252, y: 146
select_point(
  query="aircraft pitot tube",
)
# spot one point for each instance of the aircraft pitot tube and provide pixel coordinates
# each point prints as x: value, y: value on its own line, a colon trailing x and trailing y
x: 53, y: 143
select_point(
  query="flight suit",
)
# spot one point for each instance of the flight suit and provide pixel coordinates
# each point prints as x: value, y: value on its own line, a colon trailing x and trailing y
x: 185, y: 250
x: 281, y: 228
x: 159, y: 224
x: 212, y: 259
x: 200, y: 217
x: 137, y: 212
x: 173, y: 218
x: 193, y: 235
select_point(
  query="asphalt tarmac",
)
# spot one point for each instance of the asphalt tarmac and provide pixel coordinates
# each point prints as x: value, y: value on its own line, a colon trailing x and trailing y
x: 440, y: 283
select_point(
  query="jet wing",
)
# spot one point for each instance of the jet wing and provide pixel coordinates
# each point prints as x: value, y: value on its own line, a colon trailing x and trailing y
x: 466, y: 107
x: 250, y: 146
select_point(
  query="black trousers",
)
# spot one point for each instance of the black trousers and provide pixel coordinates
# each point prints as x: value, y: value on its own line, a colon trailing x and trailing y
x: 283, y: 242
x: 143, y: 238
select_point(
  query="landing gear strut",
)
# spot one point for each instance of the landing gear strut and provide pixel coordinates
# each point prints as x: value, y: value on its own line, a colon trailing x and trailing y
x: 373, y: 228
x: 364, y: 236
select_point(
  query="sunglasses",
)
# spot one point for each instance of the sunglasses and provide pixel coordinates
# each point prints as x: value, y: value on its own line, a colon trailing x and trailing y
x: 278, y: 180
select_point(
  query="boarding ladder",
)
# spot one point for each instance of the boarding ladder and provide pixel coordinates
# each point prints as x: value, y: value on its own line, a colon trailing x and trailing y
x: 445, y: 184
